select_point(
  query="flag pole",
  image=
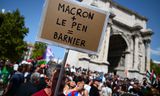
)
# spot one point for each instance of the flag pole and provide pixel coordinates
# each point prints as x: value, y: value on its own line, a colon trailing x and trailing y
x: 61, y: 73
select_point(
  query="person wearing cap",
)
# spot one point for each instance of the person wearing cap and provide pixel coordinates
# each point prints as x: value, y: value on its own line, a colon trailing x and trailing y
x: 94, y: 88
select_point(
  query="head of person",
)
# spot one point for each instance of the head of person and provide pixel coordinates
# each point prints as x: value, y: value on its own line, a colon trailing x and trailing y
x: 20, y: 68
x: 72, y: 84
x: 34, y: 79
x: 80, y: 83
x: 96, y: 82
x: 67, y: 80
x: 52, y: 73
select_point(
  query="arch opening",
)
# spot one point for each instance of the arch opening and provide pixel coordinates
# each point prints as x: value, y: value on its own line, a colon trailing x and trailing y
x: 116, y: 54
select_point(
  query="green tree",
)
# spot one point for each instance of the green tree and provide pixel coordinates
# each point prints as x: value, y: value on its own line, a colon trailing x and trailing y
x: 155, y: 67
x: 39, y: 49
x: 12, y: 33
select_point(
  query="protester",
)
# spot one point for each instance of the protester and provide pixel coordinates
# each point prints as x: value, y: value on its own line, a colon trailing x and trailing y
x: 5, y: 74
x: 30, y: 87
x: 106, y: 89
x: 94, y: 91
x: 79, y: 89
x: 76, y: 81
x: 69, y: 87
x: 15, y: 67
x: 16, y: 80
x: 52, y: 77
x: 87, y: 85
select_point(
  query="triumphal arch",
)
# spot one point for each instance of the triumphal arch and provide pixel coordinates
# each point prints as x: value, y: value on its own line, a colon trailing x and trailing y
x: 126, y: 46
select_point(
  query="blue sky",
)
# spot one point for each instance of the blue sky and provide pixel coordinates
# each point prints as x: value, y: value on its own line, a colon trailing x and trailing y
x: 32, y: 10
x: 149, y: 9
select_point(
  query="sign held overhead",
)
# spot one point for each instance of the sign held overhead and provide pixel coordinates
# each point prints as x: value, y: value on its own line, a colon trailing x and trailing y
x: 73, y: 25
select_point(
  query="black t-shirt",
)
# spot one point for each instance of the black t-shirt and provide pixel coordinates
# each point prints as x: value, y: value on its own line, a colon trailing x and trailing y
x: 15, y: 82
x: 94, y: 91
x: 26, y: 89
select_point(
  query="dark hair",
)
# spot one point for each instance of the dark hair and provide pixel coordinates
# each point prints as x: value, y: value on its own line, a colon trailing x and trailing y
x: 79, y: 79
x: 20, y: 68
x: 49, y: 73
x: 52, y: 68
x: 55, y: 81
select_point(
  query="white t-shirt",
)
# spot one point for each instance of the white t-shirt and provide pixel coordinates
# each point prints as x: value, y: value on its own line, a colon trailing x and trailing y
x: 106, y: 91
x: 87, y: 87
x: 73, y: 70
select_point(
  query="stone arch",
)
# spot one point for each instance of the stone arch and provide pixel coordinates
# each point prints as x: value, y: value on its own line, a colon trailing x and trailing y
x: 126, y: 37
x: 118, y: 46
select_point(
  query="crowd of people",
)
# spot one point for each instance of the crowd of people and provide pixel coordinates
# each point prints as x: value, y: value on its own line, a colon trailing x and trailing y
x: 42, y: 80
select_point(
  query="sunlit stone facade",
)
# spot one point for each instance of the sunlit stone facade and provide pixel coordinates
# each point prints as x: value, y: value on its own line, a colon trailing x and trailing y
x: 126, y: 46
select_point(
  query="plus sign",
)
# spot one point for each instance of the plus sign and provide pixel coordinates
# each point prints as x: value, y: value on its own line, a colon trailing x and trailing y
x: 73, y: 18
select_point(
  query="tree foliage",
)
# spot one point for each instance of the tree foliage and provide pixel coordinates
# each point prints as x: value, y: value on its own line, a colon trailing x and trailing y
x: 155, y: 67
x: 39, y: 49
x: 12, y: 33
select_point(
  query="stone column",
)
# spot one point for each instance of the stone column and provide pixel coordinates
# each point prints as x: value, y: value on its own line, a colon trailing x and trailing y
x: 143, y: 58
x: 131, y: 53
x: 103, y: 54
x: 106, y: 43
x: 136, y: 53
x: 127, y: 62
x: 147, y: 56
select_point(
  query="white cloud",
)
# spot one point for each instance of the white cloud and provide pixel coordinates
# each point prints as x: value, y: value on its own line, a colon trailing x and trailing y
x: 3, y: 10
x: 155, y: 52
x: 157, y: 62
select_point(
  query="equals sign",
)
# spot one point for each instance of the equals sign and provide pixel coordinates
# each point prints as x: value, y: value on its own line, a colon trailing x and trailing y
x: 70, y: 32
